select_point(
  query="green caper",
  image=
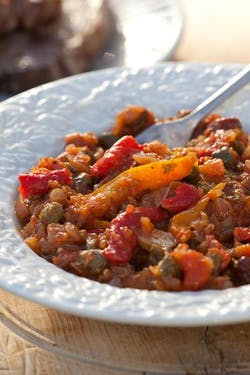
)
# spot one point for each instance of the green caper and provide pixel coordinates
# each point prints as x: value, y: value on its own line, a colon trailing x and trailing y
x: 226, y: 156
x: 193, y: 242
x: 155, y: 256
x: 83, y: 182
x: 106, y: 140
x: 91, y: 262
x: 238, y: 147
x: 193, y: 177
x: 217, y: 263
x: 169, y: 267
x: 92, y: 241
x: 51, y: 213
x: 204, y: 185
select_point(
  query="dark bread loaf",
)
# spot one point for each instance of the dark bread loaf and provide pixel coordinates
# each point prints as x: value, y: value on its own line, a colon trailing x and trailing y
x: 43, y: 40
x: 27, y: 14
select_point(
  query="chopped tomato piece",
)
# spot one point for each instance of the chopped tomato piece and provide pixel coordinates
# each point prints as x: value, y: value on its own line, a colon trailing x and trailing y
x: 156, y: 214
x: 242, y: 234
x: 122, y: 244
x: 123, y: 239
x: 197, y: 268
x: 213, y: 168
x: 185, y: 197
x: 38, y: 183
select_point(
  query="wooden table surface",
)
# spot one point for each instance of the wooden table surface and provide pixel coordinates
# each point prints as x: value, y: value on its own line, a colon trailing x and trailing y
x: 215, y: 31
x: 51, y: 342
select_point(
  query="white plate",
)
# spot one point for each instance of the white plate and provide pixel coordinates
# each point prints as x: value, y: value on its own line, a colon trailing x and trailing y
x: 34, y: 124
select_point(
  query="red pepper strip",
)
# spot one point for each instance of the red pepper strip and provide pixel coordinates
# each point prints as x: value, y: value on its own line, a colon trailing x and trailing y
x: 242, y: 234
x: 197, y: 269
x: 123, y: 240
x: 118, y: 155
x: 38, y: 183
x: 185, y: 197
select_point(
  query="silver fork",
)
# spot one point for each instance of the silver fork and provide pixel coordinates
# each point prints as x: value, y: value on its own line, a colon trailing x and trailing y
x: 177, y: 132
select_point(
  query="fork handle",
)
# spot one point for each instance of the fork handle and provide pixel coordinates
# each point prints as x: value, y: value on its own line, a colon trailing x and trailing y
x: 224, y: 92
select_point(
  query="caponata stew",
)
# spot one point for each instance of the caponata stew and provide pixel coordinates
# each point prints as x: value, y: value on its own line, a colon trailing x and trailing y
x: 143, y: 215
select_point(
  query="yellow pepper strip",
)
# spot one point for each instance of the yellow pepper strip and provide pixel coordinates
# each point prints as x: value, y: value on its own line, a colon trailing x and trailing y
x: 130, y: 183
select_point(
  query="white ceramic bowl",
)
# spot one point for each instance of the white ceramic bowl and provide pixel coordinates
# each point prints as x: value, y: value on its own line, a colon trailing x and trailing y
x: 33, y: 124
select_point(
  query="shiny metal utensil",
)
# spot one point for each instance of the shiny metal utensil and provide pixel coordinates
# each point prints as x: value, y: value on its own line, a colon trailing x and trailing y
x: 177, y: 132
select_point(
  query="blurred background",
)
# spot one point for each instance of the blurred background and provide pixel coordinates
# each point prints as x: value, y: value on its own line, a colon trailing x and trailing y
x: 43, y: 40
